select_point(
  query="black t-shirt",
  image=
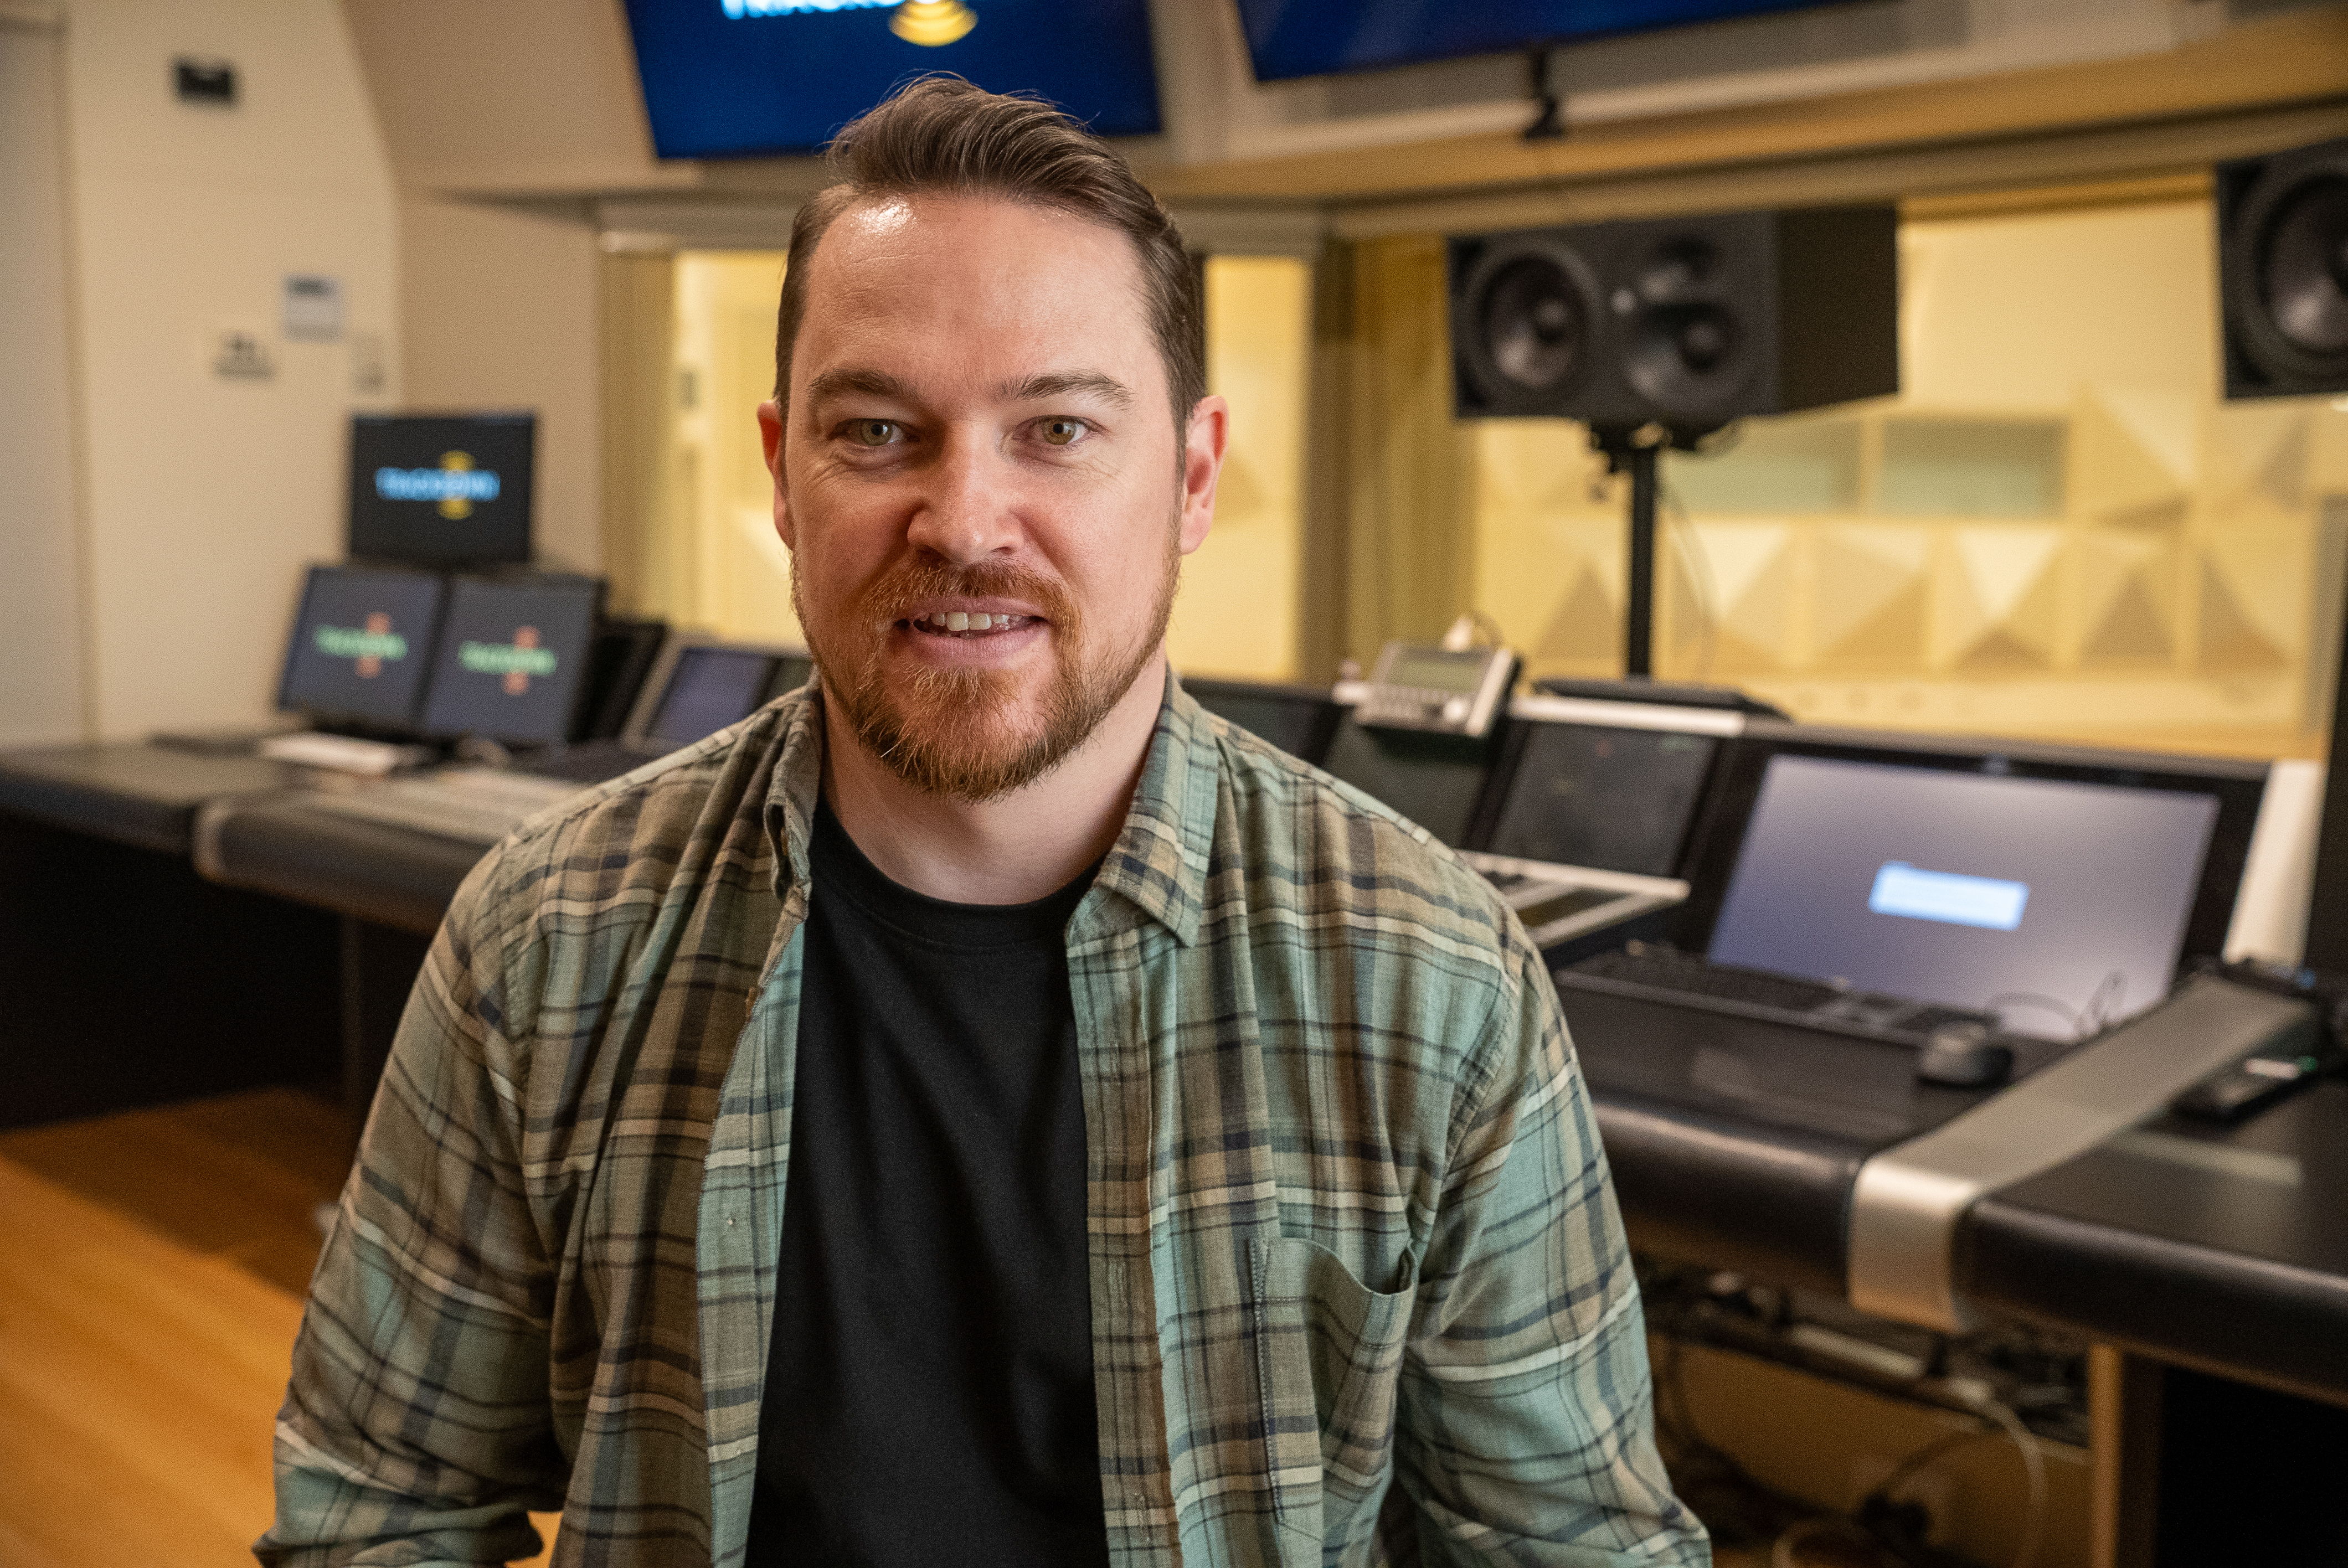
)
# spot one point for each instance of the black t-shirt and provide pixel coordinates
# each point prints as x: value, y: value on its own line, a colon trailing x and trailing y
x: 929, y: 1391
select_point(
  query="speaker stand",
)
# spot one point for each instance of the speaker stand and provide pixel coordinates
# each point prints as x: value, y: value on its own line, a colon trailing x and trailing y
x: 1639, y: 452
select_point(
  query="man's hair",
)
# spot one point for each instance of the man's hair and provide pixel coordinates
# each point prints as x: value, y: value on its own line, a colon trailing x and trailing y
x: 940, y: 136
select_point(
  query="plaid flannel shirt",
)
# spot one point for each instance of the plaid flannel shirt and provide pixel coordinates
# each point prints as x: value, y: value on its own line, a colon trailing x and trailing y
x: 1353, y: 1251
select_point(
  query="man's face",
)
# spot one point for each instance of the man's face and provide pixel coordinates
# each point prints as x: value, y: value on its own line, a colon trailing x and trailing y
x: 980, y: 481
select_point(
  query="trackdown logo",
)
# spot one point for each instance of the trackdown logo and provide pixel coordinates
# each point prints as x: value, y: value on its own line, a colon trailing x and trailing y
x: 369, y: 648
x: 455, y: 486
x: 516, y: 661
x: 932, y: 23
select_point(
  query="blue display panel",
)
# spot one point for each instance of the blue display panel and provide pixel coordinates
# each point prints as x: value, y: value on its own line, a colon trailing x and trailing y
x: 738, y: 78
x: 1314, y: 37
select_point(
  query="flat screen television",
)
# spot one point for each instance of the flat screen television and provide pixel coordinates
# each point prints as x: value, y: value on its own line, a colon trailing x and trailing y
x: 1290, y: 38
x: 729, y: 78
x: 441, y: 489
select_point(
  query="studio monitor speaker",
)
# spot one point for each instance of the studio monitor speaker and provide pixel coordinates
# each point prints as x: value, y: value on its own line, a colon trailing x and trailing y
x: 1685, y: 323
x: 2283, y: 268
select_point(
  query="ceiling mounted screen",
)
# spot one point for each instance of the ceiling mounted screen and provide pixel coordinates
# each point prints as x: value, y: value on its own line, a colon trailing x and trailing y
x: 1315, y: 38
x: 729, y: 78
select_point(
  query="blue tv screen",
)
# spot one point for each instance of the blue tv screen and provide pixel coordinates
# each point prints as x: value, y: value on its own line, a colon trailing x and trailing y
x: 1315, y: 38
x: 741, y: 77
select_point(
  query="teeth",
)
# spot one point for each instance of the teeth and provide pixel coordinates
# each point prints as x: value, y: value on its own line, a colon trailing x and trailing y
x: 967, y: 621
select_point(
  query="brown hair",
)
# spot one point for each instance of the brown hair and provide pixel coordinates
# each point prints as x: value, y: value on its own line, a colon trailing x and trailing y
x: 943, y: 136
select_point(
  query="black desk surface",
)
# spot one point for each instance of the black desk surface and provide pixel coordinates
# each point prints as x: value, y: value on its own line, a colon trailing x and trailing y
x: 1735, y: 1143
x: 391, y: 875
x: 2225, y: 1249
x: 128, y: 792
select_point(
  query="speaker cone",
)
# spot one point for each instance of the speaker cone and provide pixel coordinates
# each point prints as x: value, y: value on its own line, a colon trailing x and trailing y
x: 1533, y: 327
x: 2304, y: 271
x: 2286, y: 272
x: 1528, y: 337
x: 1686, y: 350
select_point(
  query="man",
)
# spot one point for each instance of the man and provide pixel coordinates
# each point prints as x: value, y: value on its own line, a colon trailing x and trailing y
x: 980, y: 1110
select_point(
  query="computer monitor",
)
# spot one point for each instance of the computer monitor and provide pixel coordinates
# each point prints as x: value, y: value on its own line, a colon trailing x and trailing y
x: 361, y: 646
x: 726, y: 78
x: 709, y: 687
x: 512, y: 658
x: 2054, y: 888
x: 1433, y: 779
x: 1289, y: 39
x: 442, y: 489
x: 1299, y: 720
x: 1618, y: 798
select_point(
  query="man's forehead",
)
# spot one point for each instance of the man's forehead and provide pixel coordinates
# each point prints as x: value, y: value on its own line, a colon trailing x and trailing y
x: 1013, y: 250
x: 933, y: 274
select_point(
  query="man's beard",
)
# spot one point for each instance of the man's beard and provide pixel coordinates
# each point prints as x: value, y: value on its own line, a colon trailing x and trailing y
x: 956, y: 733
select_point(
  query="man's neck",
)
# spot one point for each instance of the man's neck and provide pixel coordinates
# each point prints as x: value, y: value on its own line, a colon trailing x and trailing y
x: 1021, y: 847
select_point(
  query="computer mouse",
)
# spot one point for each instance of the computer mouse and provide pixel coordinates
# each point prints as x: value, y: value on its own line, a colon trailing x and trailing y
x: 1964, y: 1056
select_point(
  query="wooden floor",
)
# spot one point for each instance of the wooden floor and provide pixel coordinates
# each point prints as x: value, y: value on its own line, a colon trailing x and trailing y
x: 151, y: 1271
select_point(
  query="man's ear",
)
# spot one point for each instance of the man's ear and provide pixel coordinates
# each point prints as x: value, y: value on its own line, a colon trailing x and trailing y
x: 1202, y: 463
x: 770, y: 441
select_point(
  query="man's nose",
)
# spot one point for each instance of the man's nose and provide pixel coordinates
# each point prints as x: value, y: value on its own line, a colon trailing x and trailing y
x: 966, y: 511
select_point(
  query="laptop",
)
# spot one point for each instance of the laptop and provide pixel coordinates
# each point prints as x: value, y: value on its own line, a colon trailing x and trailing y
x: 1889, y: 887
x: 1587, y: 815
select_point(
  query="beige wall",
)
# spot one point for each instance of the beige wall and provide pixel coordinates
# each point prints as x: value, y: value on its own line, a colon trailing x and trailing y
x: 1238, y: 612
x: 502, y: 312
x: 207, y: 495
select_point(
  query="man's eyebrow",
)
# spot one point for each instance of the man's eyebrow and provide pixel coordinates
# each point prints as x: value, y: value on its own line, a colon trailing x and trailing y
x: 871, y: 383
x: 1061, y: 382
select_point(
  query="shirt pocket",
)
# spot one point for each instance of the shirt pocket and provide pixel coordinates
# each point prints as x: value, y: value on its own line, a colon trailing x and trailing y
x: 1331, y: 1355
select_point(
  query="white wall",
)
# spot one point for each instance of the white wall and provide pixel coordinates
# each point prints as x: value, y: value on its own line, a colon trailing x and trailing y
x: 207, y: 495
x: 41, y: 688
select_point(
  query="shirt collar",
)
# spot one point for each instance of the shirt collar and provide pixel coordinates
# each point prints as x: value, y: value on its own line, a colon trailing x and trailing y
x: 1159, y: 862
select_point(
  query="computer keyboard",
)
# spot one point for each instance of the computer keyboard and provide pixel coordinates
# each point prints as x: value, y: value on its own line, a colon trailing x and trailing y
x: 474, y: 806
x: 1665, y: 974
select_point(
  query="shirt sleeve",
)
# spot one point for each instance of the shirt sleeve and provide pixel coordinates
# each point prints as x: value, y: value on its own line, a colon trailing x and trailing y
x: 1524, y: 1429
x: 415, y: 1427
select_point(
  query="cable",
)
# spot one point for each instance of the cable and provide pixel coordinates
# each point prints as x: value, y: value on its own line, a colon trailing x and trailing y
x: 1690, y: 544
x: 1781, y: 1551
x: 2006, y: 1424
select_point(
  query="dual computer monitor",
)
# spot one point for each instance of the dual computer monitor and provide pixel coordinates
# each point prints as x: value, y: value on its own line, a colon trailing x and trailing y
x: 410, y: 652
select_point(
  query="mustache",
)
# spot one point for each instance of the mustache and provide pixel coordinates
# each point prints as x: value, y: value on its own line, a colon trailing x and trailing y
x: 894, y: 595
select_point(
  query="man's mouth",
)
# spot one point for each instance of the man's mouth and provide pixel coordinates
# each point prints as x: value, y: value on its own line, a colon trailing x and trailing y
x: 967, y: 623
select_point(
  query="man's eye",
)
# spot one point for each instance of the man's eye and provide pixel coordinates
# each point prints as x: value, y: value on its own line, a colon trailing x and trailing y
x: 872, y: 432
x: 1060, y: 432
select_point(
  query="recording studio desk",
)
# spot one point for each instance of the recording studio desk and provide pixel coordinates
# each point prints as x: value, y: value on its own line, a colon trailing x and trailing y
x: 1737, y: 1143
x: 129, y: 979
x: 128, y: 792
x: 2225, y: 1249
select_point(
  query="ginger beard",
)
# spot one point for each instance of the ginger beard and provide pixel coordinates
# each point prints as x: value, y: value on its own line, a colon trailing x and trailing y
x: 962, y: 732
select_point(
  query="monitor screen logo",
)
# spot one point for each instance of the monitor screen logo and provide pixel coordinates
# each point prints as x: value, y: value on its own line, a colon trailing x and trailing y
x: 931, y: 23
x: 513, y: 662
x: 455, y: 488
x: 1949, y: 897
x: 368, y: 648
